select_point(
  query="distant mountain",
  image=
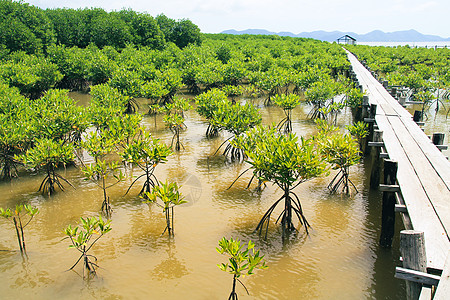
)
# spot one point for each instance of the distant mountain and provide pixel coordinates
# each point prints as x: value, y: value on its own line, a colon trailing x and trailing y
x: 373, y: 36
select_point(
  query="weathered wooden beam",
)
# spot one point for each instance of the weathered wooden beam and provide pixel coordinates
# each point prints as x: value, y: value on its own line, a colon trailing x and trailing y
x: 438, y: 138
x: 369, y: 120
x: 375, y: 171
x: 443, y: 288
x: 393, y: 188
x: 361, y: 111
x: 388, y: 206
x: 384, y: 155
x: 365, y: 107
x: 401, y: 208
x: 372, y: 113
x: 414, y: 102
x: 375, y: 144
x: 405, y: 217
x: 412, y: 249
x: 416, y: 276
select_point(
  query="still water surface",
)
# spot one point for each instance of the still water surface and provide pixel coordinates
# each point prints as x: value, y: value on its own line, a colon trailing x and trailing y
x: 340, y: 258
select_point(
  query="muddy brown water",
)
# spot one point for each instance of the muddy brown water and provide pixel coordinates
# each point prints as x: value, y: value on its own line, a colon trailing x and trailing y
x: 340, y: 258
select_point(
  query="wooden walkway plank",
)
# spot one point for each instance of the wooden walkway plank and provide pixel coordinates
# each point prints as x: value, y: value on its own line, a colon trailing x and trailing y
x: 431, y: 182
x: 369, y: 86
x: 423, y: 172
x: 376, y: 89
x: 423, y: 176
x: 443, y: 290
x: 421, y: 213
x: 438, y: 161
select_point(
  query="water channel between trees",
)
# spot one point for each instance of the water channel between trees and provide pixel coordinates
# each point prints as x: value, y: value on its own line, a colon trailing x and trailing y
x: 340, y: 259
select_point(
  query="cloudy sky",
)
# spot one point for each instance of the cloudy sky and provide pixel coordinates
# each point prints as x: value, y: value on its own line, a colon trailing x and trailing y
x: 360, y: 16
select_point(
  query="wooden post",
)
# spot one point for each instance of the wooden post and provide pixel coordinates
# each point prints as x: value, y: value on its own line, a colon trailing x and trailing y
x: 376, y: 161
x: 394, y: 92
x: 417, y: 116
x: 372, y: 113
x: 365, y: 107
x: 438, y: 138
x: 385, y: 84
x: 361, y: 112
x: 402, y: 101
x: 388, y: 207
x: 412, y: 249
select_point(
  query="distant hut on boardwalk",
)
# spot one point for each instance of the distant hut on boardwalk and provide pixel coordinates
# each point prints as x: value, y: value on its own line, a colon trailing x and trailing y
x: 346, y: 39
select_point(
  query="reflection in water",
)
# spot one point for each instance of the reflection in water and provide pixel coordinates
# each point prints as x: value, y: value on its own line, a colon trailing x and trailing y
x: 339, y: 259
x: 171, y: 267
x: 23, y: 274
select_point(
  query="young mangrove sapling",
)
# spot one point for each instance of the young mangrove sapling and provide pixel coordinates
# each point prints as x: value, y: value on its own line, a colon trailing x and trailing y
x: 286, y: 162
x: 287, y: 103
x: 48, y: 155
x: 174, y: 118
x: 99, y: 147
x: 241, y: 261
x: 83, y: 237
x: 236, y: 119
x: 17, y: 217
x: 146, y: 153
x: 170, y: 196
x: 341, y: 151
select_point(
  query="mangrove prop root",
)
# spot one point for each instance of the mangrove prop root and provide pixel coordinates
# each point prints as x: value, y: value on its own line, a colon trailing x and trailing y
x: 212, y: 131
x: 292, y: 206
x: 341, y: 179
x: 106, y: 207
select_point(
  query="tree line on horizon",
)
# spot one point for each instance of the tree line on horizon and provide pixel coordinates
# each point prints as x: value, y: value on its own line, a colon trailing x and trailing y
x: 27, y: 28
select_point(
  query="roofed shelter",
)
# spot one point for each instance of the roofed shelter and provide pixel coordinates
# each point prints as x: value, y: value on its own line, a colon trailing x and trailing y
x: 346, y: 39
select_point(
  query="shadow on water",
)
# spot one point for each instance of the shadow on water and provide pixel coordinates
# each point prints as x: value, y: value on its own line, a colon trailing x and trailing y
x: 384, y: 285
x: 172, y: 267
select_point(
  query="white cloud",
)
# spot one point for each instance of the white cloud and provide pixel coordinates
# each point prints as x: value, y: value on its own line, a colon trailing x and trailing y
x: 425, y: 6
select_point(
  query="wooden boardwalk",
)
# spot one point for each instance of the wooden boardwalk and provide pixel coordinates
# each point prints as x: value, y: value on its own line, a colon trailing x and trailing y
x: 423, y: 172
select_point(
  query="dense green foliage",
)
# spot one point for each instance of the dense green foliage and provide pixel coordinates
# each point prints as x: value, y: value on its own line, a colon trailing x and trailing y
x: 181, y: 33
x: 24, y: 27
x: 207, y: 105
x: 28, y: 28
x: 15, y: 132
